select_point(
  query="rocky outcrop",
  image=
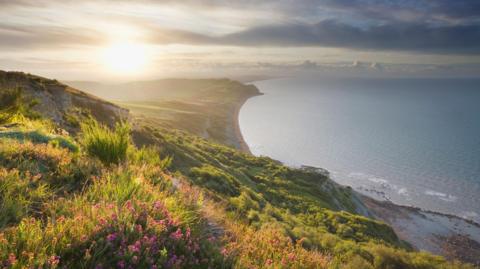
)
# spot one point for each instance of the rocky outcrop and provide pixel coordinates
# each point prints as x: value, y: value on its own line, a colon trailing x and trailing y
x: 56, y: 100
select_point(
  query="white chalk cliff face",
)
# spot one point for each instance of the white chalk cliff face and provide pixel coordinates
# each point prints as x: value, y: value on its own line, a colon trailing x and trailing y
x: 55, y: 99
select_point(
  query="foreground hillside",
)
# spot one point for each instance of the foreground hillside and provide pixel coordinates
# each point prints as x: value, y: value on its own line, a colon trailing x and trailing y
x: 146, y: 196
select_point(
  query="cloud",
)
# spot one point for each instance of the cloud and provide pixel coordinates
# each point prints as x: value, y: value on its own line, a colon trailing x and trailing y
x: 421, y: 26
x: 18, y: 37
x: 421, y: 9
x: 460, y: 9
x: 413, y: 37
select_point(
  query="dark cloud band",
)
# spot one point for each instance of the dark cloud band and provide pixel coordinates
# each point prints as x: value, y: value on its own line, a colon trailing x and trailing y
x: 460, y: 39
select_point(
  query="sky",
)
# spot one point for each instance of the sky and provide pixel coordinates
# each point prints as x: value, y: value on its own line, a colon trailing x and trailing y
x: 146, y: 39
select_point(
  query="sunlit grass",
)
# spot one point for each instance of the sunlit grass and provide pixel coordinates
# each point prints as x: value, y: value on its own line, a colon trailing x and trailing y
x: 110, y: 146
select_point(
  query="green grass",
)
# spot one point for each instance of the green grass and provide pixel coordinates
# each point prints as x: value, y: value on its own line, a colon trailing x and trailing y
x: 114, y: 205
x: 301, y: 204
x: 109, y: 146
x: 20, y: 196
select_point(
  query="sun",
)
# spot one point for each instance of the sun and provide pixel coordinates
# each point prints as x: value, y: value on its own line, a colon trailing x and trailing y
x: 125, y: 57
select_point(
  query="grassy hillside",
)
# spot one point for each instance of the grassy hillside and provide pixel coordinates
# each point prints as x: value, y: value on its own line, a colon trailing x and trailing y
x: 154, y: 197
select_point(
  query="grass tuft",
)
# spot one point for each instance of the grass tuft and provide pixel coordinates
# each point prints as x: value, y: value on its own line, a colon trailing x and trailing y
x: 109, y: 146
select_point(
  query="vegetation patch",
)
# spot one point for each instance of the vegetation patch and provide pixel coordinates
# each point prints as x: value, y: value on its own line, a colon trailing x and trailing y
x: 109, y: 146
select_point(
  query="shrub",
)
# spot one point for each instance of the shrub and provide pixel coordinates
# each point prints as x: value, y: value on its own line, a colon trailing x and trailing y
x: 149, y: 156
x: 109, y: 146
x: 12, y: 103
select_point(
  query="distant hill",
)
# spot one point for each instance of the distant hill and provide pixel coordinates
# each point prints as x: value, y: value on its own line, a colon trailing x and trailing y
x: 205, y: 107
x: 203, y: 89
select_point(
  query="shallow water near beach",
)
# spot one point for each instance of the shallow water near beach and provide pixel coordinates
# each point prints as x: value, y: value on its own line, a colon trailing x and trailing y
x: 412, y: 141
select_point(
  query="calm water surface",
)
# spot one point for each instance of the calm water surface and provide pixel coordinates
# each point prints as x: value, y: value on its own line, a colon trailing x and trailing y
x: 412, y: 141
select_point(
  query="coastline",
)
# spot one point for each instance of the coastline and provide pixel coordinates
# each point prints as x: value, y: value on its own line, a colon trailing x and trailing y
x: 447, y: 235
x: 242, y: 144
x: 450, y: 236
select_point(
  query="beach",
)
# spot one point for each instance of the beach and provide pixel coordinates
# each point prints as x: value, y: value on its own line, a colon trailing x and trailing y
x: 240, y: 141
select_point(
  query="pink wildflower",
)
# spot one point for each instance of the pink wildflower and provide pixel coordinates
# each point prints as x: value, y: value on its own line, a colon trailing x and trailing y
x: 54, y: 260
x: 176, y: 235
x: 269, y: 262
x: 157, y: 205
x: 129, y: 206
x: 135, y: 247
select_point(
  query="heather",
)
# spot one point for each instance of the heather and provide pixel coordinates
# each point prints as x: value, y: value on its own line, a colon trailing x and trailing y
x: 61, y: 208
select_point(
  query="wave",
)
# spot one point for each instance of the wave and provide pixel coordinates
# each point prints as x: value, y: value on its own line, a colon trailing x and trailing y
x: 442, y: 196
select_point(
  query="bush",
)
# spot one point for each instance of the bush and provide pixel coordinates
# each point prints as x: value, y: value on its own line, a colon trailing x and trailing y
x: 12, y: 103
x: 150, y: 156
x: 109, y: 146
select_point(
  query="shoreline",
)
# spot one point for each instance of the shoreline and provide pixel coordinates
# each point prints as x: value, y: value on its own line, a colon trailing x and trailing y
x: 439, y: 233
x: 447, y: 235
x: 242, y: 144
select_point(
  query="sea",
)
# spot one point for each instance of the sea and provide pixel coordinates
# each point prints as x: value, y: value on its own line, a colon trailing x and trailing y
x: 414, y: 142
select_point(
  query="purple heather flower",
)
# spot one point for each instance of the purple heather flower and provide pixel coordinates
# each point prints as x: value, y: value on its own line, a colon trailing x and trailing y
x: 111, y: 237
x: 172, y: 260
x: 121, y: 264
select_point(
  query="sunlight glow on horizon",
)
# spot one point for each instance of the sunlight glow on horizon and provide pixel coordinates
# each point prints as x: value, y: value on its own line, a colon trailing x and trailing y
x: 125, y: 58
